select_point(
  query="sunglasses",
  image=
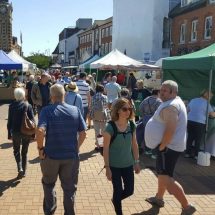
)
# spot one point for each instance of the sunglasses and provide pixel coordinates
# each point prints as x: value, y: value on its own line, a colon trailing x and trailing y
x: 124, y: 109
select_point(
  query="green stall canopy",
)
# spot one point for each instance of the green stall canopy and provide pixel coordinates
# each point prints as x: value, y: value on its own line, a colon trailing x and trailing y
x: 191, y: 71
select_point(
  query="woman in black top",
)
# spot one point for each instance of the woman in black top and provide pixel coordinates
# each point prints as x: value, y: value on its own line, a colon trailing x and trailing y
x: 15, y: 116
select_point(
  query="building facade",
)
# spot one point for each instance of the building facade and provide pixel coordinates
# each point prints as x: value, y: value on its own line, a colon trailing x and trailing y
x: 96, y: 40
x: 192, y: 26
x: 142, y: 28
x: 66, y: 51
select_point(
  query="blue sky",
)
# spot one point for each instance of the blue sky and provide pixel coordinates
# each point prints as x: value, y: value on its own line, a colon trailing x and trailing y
x: 41, y: 21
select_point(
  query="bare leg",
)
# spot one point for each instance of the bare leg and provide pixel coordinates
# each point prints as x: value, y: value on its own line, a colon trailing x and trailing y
x: 176, y: 189
x: 162, y: 185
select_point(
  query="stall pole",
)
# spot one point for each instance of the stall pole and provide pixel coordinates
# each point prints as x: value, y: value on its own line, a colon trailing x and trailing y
x: 207, y: 117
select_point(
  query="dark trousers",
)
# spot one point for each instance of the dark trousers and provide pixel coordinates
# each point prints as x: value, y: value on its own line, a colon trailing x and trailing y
x: 21, y: 158
x: 85, y: 113
x: 196, y: 132
x: 67, y: 170
x: 120, y: 177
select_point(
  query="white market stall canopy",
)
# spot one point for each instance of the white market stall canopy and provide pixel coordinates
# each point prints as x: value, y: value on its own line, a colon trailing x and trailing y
x: 56, y: 66
x: 26, y: 66
x: 86, y: 64
x: 117, y: 60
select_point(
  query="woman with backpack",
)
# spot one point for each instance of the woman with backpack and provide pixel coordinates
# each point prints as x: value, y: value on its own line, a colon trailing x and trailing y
x: 99, y: 112
x: 121, y: 156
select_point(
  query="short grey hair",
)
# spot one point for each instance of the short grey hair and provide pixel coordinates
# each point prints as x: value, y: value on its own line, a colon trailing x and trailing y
x: 172, y: 85
x: 57, y: 91
x: 114, y: 79
x: 19, y: 94
x: 31, y: 77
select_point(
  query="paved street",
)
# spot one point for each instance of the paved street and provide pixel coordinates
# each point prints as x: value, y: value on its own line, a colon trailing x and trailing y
x: 94, y: 191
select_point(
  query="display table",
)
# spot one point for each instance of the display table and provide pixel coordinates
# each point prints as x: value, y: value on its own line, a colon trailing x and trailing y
x: 210, y: 143
x: 6, y: 93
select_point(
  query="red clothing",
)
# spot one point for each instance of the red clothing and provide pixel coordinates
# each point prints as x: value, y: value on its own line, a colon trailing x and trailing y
x: 121, y: 79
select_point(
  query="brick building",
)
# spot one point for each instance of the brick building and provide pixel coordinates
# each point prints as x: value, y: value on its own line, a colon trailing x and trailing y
x: 96, y: 39
x: 192, y: 26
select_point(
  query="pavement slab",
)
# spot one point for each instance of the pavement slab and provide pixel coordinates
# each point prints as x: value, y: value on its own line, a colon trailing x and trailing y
x: 94, y: 192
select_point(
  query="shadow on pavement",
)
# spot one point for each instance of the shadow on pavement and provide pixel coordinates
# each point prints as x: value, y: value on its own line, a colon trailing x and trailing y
x: 6, y: 145
x: 195, y: 179
x: 4, y: 185
x: 34, y: 161
x: 154, y: 210
x: 87, y: 155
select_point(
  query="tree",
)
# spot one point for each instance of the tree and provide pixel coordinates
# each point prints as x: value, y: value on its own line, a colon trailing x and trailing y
x: 42, y: 61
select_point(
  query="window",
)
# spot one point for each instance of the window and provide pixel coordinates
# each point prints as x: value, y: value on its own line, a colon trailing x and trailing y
x: 208, y: 27
x: 106, y: 48
x: 194, y: 30
x: 103, y: 49
x: 182, y: 33
x: 166, y: 33
x: 110, y: 30
x: 103, y: 32
x: 110, y: 46
x: 97, y: 34
x: 184, y: 3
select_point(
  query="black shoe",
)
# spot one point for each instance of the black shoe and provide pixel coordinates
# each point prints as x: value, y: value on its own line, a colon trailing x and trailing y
x: 23, y: 174
x: 20, y: 175
x: 97, y: 149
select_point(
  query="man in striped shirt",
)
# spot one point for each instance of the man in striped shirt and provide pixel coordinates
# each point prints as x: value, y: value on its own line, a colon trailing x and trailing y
x: 84, y: 91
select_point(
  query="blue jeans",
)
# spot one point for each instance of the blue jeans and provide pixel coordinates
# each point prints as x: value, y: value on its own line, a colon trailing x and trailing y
x: 119, y: 176
x: 67, y: 170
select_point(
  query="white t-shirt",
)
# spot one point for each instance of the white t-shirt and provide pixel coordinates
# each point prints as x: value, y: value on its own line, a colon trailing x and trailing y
x: 83, y: 90
x: 155, y: 127
x: 113, y: 90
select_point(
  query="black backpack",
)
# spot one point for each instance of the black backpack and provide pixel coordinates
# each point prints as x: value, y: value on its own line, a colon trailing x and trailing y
x: 115, y: 132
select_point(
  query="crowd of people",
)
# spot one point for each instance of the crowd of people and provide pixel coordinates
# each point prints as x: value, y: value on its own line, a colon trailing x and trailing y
x: 131, y: 119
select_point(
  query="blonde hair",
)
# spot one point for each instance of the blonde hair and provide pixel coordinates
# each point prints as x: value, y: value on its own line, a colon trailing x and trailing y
x: 117, y: 106
x: 140, y: 84
x: 205, y: 93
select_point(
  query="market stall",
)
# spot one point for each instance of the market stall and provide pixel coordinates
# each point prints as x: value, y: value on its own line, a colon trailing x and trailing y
x: 26, y: 65
x: 6, y: 63
x: 116, y: 60
x: 193, y: 73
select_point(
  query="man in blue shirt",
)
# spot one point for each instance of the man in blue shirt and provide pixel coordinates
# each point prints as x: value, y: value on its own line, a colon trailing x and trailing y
x: 63, y: 128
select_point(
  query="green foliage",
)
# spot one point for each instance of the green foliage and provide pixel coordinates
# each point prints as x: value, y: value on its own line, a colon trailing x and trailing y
x: 42, y: 61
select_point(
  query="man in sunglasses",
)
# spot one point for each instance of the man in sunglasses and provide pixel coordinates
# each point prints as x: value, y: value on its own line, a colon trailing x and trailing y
x: 167, y: 131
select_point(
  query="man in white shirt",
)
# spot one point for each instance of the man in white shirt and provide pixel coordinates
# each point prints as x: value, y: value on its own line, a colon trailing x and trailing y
x: 84, y: 91
x: 166, y: 130
x: 112, y: 90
